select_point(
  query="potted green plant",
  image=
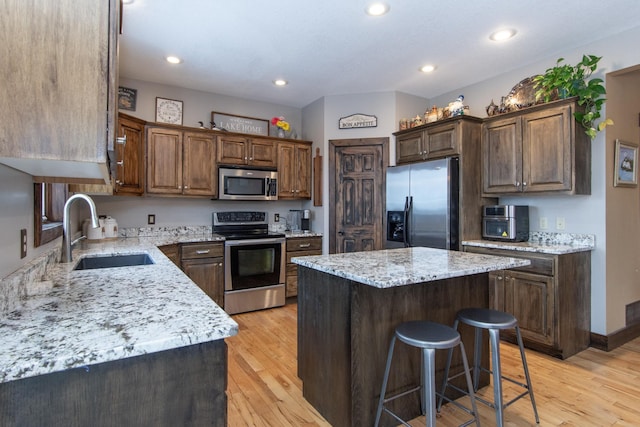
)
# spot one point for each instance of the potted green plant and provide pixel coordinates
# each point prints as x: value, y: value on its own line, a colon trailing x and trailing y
x: 565, y: 81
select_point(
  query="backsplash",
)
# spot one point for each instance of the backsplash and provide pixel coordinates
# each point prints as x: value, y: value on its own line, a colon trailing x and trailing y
x: 164, y: 231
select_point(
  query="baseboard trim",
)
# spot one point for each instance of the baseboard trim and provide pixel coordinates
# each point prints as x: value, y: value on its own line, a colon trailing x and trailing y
x: 616, y: 339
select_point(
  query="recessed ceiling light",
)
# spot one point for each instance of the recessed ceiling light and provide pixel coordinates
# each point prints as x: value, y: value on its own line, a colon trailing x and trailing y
x: 502, y: 35
x: 280, y: 82
x: 173, y: 60
x: 377, y: 9
x: 427, y: 68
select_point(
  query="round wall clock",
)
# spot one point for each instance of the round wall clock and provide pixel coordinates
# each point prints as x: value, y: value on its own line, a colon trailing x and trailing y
x: 168, y: 111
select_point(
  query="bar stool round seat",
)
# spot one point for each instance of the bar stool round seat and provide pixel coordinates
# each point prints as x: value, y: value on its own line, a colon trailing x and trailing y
x: 428, y: 336
x: 493, y: 321
x: 486, y: 318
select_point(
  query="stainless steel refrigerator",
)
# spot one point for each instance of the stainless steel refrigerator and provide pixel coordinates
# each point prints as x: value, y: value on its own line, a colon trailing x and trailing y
x: 422, y: 205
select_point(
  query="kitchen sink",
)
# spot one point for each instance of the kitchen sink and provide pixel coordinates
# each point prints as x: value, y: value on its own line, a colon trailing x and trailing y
x: 111, y: 261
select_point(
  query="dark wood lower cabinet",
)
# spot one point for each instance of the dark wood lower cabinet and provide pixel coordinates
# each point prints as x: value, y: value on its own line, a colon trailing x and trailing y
x: 344, y: 330
x: 551, y: 298
x: 181, y: 387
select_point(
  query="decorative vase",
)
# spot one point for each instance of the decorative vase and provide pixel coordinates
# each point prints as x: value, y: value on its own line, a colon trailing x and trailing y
x: 280, y: 133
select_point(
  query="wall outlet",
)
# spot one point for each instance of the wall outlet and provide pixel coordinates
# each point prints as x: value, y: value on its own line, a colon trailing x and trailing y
x: 276, y: 217
x: 151, y: 219
x: 544, y: 223
x: 23, y: 243
x: 560, y: 223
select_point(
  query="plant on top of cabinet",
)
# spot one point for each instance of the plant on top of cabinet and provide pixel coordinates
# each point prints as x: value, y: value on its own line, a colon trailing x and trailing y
x: 565, y: 81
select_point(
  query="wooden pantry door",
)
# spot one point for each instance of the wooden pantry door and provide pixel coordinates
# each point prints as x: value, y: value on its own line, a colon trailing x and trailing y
x: 357, y: 174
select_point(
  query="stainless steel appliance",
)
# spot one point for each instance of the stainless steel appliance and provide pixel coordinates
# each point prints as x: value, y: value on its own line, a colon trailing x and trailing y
x: 505, y: 222
x: 422, y: 205
x: 247, y: 184
x: 254, y: 261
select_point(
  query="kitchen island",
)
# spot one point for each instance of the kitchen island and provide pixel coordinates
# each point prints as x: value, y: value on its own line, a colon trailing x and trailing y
x: 140, y: 345
x: 348, y: 308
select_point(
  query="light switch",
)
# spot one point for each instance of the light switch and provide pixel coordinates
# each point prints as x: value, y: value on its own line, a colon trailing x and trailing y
x: 560, y: 223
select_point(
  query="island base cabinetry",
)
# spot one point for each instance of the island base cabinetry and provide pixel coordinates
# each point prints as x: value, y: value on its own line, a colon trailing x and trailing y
x: 344, y: 330
x: 179, y: 387
x: 551, y: 298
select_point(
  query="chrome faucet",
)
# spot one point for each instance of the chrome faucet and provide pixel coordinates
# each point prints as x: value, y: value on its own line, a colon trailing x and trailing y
x: 66, y: 238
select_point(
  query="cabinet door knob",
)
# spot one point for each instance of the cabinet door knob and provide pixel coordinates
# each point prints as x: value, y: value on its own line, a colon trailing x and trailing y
x: 517, y: 183
x: 245, y: 157
x: 179, y: 187
x: 250, y: 158
x: 524, y: 184
x: 499, y: 277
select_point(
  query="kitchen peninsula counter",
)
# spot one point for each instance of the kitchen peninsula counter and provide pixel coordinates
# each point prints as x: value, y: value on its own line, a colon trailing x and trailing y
x: 348, y: 307
x: 142, y: 344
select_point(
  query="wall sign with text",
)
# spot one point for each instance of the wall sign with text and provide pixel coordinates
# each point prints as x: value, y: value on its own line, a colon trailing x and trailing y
x: 240, y: 124
x: 357, y: 121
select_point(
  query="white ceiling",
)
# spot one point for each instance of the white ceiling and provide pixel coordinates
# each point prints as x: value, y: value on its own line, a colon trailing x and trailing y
x: 331, y: 47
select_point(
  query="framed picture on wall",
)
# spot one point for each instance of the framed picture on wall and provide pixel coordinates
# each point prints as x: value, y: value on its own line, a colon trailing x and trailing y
x: 626, y: 164
x: 168, y: 111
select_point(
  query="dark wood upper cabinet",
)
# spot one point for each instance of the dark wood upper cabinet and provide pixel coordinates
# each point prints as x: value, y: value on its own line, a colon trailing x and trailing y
x: 245, y: 151
x: 130, y: 161
x: 538, y: 150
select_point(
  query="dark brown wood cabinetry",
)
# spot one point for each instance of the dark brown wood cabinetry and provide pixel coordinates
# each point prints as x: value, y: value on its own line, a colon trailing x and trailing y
x: 181, y: 162
x: 204, y: 264
x: 59, y: 88
x: 299, y: 246
x: 240, y: 150
x: 130, y: 161
x: 551, y: 299
x: 294, y: 170
x: 540, y: 149
x: 432, y: 141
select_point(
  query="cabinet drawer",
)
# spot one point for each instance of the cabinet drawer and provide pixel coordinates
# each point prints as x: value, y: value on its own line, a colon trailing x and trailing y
x: 540, y: 264
x: 304, y: 244
x: 301, y: 253
x: 202, y: 250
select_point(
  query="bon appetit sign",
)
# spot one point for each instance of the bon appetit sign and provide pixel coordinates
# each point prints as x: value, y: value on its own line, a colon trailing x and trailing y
x: 357, y: 121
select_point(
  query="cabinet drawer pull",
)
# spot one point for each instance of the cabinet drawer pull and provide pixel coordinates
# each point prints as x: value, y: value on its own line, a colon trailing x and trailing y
x: 122, y: 140
x: 304, y: 245
x: 120, y: 163
x: 203, y: 251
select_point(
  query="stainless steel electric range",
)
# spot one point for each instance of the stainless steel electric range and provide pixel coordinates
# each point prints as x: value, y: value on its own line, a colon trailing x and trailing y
x: 254, y: 261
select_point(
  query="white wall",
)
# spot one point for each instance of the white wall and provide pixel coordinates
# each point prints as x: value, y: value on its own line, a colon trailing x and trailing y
x: 16, y: 213
x: 199, y: 105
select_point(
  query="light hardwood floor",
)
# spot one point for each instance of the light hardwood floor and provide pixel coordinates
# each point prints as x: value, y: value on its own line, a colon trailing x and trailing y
x: 592, y: 388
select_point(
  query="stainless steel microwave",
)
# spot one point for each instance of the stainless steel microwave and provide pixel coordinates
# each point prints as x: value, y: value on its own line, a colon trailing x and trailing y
x: 247, y: 184
x: 505, y: 222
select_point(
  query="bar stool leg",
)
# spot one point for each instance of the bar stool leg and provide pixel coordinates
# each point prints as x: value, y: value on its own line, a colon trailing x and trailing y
x: 526, y: 373
x: 446, y: 370
x: 429, y: 386
x: 477, y: 358
x: 472, y: 393
x: 384, y: 381
x: 494, y: 337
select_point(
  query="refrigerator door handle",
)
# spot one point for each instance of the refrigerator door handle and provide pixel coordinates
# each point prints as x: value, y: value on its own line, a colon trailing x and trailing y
x: 407, y: 226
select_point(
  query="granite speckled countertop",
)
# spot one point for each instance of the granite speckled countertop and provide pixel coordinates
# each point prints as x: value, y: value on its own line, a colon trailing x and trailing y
x: 73, y: 319
x: 406, y: 266
x: 541, y: 242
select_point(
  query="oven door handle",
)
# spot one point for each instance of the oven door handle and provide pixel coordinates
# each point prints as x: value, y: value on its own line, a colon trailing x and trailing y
x: 278, y: 240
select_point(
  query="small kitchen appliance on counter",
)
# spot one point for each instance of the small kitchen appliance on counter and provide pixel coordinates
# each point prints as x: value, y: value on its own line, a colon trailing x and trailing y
x: 505, y: 222
x: 254, y: 261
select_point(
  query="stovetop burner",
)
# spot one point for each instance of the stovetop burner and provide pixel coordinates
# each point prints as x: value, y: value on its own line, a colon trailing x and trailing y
x: 241, y: 225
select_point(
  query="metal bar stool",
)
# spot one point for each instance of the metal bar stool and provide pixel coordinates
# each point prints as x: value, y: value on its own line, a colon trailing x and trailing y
x: 428, y: 336
x: 493, y: 321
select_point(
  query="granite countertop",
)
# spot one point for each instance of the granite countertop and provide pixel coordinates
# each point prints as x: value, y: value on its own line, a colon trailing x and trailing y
x: 397, y: 267
x: 540, y: 242
x: 74, y: 319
